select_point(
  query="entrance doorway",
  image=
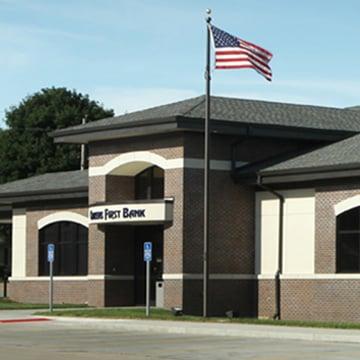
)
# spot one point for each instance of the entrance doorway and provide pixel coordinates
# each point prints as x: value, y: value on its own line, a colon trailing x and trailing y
x: 155, y: 235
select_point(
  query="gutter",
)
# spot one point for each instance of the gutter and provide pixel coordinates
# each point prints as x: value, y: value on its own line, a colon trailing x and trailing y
x: 4, y: 196
x: 277, y: 314
x: 79, y: 130
x: 181, y: 122
x: 312, y: 170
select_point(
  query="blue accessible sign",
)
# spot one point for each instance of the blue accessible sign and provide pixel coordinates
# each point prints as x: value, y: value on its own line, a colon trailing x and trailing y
x: 51, y: 252
x: 147, y: 251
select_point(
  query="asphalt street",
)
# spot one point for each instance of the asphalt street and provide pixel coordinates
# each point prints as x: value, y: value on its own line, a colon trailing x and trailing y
x: 55, y: 341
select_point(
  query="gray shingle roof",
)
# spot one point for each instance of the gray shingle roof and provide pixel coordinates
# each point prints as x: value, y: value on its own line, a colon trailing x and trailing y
x: 344, y: 154
x: 57, y: 181
x: 180, y: 108
x: 241, y: 111
x: 354, y: 108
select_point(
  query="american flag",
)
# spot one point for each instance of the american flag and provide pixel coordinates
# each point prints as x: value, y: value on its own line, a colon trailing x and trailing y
x: 234, y: 53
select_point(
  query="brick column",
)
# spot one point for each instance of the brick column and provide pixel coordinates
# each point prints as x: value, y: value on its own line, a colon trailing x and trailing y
x: 96, y: 256
x: 173, y: 239
x: 103, y: 247
x: 232, y: 246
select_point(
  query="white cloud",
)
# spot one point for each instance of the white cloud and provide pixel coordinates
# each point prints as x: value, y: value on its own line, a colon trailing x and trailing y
x: 124, y: 100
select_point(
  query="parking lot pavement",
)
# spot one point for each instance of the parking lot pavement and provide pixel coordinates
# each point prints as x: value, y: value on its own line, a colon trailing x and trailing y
x: 55, y: 341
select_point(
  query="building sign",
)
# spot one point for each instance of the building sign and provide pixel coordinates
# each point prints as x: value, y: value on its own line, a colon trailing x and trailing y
x: 152, y: 212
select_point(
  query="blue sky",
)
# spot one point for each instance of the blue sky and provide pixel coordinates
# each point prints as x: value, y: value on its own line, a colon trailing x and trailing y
x: 134, y: 54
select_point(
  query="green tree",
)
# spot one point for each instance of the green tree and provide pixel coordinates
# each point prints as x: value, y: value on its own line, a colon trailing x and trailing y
x: 27, y: 149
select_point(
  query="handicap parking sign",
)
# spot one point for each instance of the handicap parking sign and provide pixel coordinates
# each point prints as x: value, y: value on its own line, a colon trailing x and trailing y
x: 147, y: 251
x: 51, y: 252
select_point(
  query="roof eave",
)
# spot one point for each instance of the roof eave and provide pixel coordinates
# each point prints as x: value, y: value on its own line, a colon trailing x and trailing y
x: 303, y: 175
x: 104, y: 132
x: 14, y: 197
x: 183, y: 123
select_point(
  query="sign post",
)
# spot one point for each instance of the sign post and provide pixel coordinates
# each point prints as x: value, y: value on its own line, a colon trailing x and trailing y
x: 51, y: 257
x: 147, y: 259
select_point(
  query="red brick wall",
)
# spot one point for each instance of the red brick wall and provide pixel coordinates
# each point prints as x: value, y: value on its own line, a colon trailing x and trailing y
x: 312, y: 299
x: 318, y: 299
x: 266, y: 298
x: 224, y: 295
x: 232, y: 232
x: 169, y: 146
x: 121, y: 188
x: 232, y: 226
x: 231, y: 216
x: 325, y: 224
x: 173, y: 293
x: 232, y: 245
x: 69, y: 292
x: 247, y: 149
x: 33, y: 215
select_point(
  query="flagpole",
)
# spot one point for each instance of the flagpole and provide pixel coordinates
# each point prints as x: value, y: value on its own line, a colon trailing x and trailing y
x: 206, y: 170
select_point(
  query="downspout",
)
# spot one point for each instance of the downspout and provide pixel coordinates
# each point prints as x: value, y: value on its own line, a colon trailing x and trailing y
x: 277, y: 314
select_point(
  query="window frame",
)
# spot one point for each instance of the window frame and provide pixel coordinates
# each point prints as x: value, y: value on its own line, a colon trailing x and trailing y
x: 340, y: 239
x: 71, y: 248
x: 150, y: 190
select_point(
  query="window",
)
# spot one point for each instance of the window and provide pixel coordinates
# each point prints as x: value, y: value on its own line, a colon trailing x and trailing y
x: 71, y: 248
x: 348, y: 241
x: 149, y: 184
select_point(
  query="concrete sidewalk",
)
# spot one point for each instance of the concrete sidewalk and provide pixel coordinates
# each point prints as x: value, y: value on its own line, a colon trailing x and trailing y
x: 18, y: 314
x: 216, y: 329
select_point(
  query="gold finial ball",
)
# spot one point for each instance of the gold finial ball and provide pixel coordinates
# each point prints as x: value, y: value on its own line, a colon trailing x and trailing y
x: 208, y: 11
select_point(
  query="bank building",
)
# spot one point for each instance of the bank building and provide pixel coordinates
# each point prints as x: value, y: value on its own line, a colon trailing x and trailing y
x: 284, y: 212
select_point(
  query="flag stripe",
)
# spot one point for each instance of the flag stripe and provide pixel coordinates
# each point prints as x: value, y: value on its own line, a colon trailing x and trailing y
x: 240, y: 55
x: 264, y: 52
x: 242, y: 51
x: 243, y: 58
x: 236, y: 63
x: 234, y: 53
x: 261, y: 66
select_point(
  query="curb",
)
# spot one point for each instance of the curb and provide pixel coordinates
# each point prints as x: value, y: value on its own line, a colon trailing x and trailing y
x: 215, y: 329
x: 27, y: 320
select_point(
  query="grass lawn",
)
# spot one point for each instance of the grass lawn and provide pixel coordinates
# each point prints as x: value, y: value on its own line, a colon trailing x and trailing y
x: 7, y: 304
x: 161, y: 314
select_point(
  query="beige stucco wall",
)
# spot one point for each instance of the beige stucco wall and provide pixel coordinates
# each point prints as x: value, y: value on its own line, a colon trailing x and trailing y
x: 266, y: 233
x: 19, y: 243
x: 299, y: 232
